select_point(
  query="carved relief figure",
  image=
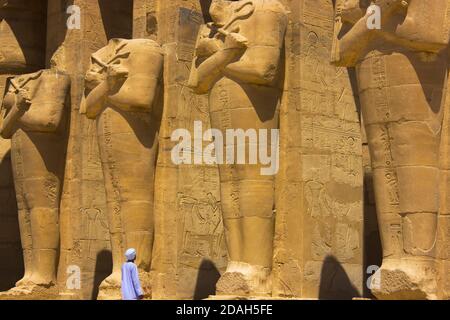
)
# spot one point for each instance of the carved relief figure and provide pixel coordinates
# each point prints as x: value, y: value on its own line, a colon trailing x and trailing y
x: 239, y: 62
x: 34, y: 116
x: 122, y: 88
x: 402, y: 74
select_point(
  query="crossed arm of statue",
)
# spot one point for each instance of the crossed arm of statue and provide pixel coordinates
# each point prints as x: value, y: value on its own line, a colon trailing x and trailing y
x: 229, y: 54
x: 14, y: 108
x: 347, y: 48
x: 96, y: 99
x: 212, y: 56
x: 101, y: 84
x: 28, y: 104
x: 404, y: 23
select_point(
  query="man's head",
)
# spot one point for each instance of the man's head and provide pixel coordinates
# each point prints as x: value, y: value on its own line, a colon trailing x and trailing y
x: 130, y: 254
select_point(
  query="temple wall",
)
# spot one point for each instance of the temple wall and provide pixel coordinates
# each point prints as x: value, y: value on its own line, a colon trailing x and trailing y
x: 320, y: 204
x: 326, y: 232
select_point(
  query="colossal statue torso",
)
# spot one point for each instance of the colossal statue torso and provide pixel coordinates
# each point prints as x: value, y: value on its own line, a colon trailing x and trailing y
x: 402, y: 79
x: 39, y: 141
x: 123, y: 87
x: 238, y: 61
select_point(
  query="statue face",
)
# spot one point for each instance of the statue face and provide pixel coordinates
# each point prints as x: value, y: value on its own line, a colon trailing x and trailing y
x: 352, y: 10
x: 350, y: 5
x: 220, y: 11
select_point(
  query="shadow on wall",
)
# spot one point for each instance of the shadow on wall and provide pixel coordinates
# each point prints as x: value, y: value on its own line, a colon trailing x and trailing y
x: 207, y: 277
x: 373, y: 252
x: 103, y: 268
x: 335, y: 283
x: 11, y: 257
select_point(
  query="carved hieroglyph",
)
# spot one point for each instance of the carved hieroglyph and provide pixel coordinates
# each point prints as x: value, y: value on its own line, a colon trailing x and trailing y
x: 318, y: 249
x: 239, y: 62
x: 402, y: 76
x: 34, y: 117
x: 122, y: 88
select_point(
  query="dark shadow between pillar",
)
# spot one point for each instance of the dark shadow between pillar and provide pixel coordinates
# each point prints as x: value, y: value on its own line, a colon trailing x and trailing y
x: 103, y: 268
x: 335, y: 283
x: 207, y: 277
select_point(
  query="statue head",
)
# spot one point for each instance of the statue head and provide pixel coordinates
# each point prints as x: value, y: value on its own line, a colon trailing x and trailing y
x: 224, y: 12
x: 352, y: 10
x: 350, y: 4
x: 221, y: 11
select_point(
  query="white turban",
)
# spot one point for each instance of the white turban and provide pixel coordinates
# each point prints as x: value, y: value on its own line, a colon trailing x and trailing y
x: 130, y: 254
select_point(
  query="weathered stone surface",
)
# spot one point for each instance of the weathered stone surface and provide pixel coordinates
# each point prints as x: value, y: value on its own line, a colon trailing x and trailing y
x: 363, y: 168
x: 36, y: 122
x: 401, y: 70
x: 243, y: 73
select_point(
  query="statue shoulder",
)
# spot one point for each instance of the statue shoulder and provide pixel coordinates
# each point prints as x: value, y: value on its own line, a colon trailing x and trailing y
x: 55, y: 75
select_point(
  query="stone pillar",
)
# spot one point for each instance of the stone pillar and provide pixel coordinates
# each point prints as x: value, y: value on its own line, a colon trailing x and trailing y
x: 319, y: 237
x: 85, y: 242
x: 189, y: 247
x: 19, y: 54
x: 443, y: 237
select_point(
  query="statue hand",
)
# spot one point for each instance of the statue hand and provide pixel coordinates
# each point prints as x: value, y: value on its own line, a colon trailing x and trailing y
x: 23, y: 100
x: 235, y: 41
x: 116, y: 76
x: 207, y: 47
x: 92, y: 79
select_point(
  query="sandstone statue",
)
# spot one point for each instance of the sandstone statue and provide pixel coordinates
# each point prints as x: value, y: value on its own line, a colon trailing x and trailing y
x: 402, y: 73
x: 123, y: 86
x: 239, y: 62
x: 35, y: 118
